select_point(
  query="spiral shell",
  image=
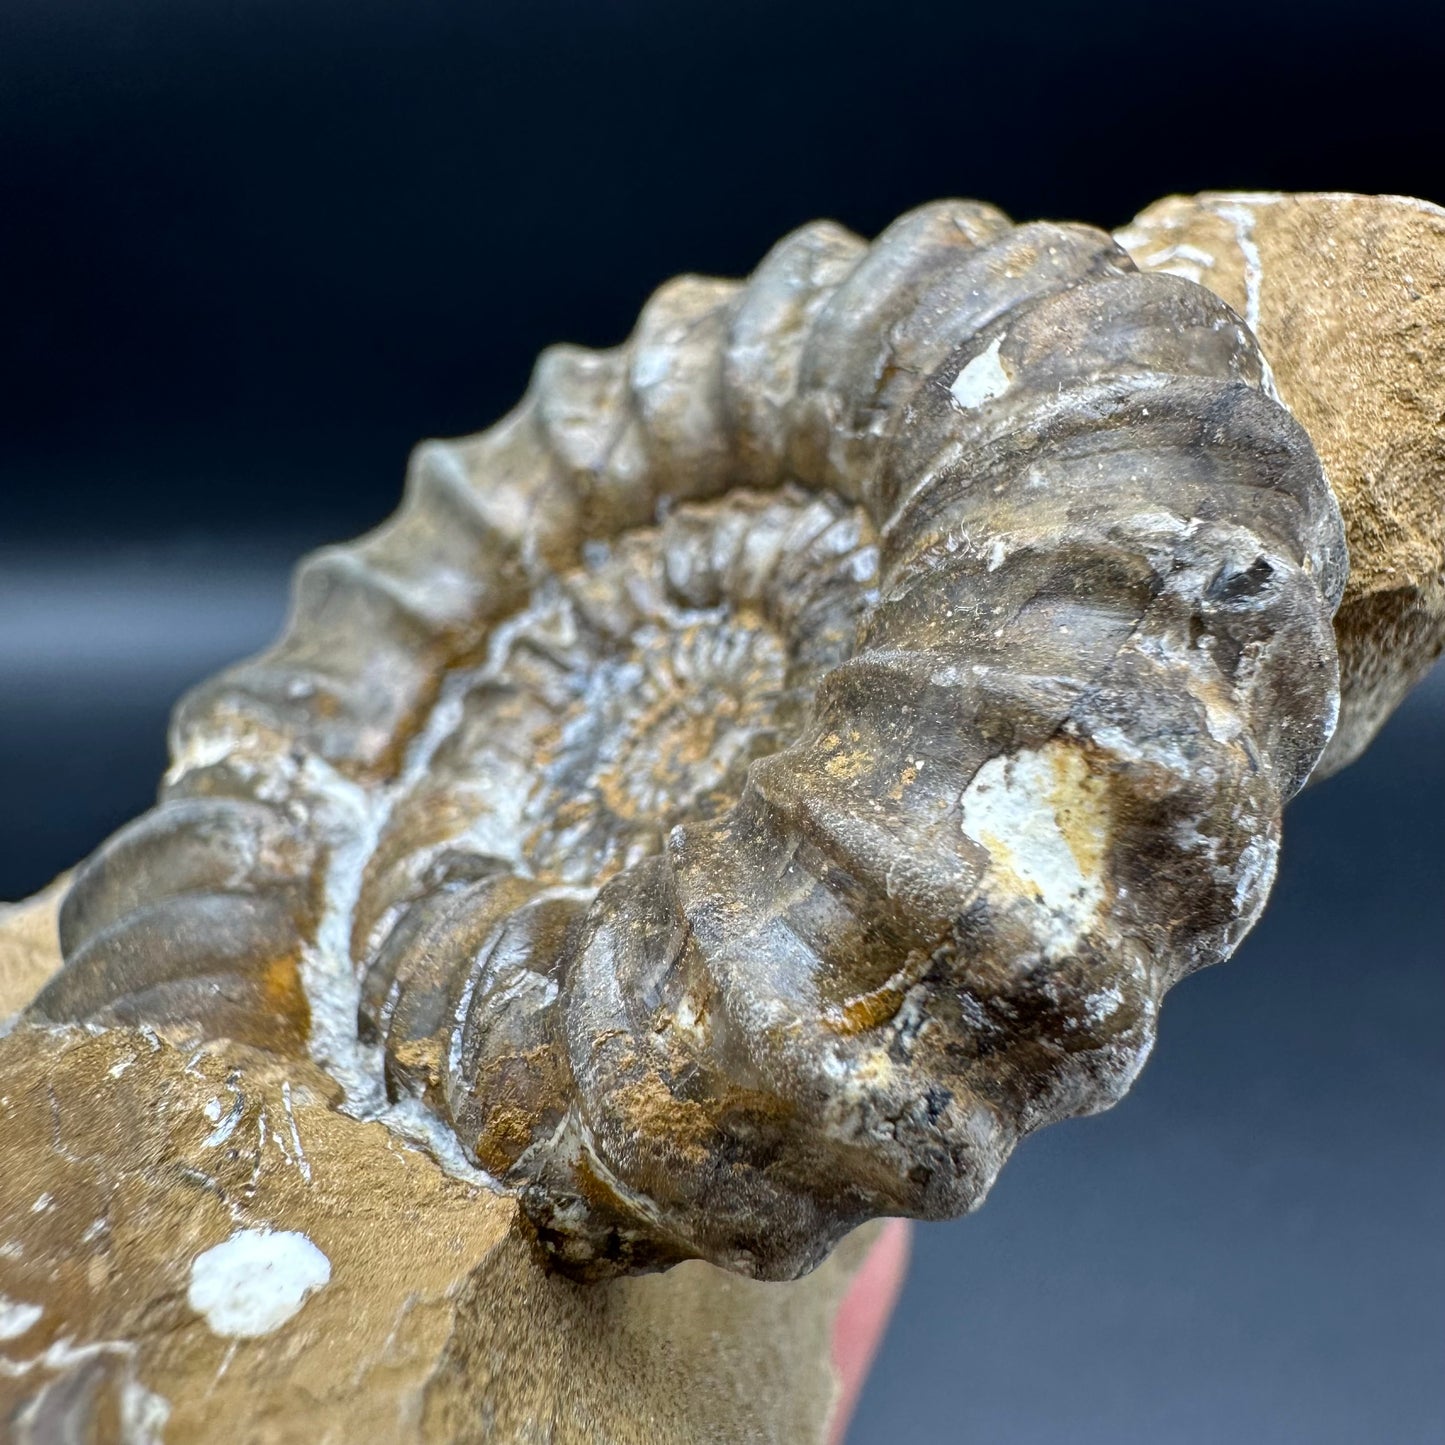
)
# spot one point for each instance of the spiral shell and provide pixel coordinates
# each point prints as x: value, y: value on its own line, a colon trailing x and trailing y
x: 783, y: 762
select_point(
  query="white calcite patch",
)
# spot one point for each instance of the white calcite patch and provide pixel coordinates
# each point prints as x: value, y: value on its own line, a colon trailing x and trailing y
x: 1241, y: 216
x: 255, y: 1281
x: 16, y: 1317
x: 982, y: 379
x: 1042, y: 819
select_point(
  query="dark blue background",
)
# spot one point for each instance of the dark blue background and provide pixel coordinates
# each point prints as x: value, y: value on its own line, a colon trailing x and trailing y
x: 253, y: 251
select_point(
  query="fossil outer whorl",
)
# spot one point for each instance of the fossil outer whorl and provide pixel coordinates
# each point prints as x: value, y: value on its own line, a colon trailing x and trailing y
x: 783, y: 762
x: 1346, y: 294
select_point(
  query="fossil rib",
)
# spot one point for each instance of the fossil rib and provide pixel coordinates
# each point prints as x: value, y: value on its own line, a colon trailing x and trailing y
x: 783, y: 762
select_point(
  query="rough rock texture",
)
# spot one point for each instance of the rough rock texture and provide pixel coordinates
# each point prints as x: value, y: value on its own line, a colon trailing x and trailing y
x: 157, y: 1204
x: 780, y: 765
x: 29, y: 946
x: 1347, y: 296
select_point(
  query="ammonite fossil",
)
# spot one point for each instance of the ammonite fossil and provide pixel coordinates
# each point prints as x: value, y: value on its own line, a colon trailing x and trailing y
x: 782, y: 763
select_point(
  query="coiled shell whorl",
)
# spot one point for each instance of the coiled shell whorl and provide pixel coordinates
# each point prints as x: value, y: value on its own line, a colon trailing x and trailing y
x: 782, y: 763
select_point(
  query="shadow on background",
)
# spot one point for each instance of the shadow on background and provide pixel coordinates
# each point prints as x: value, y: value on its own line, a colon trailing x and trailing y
x: 254, y: 252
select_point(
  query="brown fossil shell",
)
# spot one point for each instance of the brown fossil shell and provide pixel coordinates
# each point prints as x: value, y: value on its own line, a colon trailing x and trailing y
x: 1347, y: 295
x: 778, y: 766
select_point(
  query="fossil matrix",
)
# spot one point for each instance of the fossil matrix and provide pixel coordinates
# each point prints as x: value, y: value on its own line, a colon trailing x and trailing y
x: 782, y: 763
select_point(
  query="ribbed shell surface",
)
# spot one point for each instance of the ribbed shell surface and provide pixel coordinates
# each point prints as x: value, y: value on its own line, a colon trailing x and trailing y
x: 783, y: 762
